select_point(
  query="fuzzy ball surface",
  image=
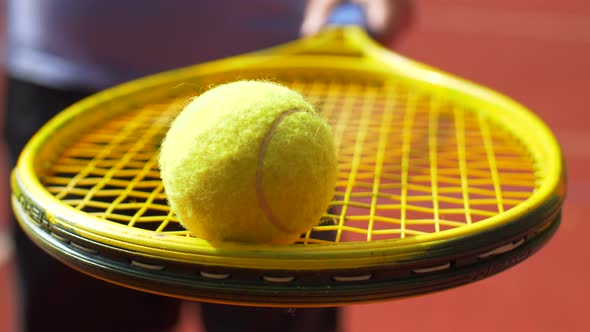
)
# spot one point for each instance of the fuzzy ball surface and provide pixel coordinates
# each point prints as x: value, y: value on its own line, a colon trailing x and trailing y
x: 249, y: 162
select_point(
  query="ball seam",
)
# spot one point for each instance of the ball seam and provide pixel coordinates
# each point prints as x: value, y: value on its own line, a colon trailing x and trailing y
x: 262, y: 202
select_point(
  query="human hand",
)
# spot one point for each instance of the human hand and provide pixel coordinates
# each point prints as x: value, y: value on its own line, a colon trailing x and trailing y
x: 384, y: 18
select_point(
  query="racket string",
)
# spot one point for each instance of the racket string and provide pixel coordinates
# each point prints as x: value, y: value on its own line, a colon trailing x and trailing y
x: 411, y: 163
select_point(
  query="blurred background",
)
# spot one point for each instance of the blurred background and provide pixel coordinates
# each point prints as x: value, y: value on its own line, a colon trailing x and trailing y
x: 538, y: 53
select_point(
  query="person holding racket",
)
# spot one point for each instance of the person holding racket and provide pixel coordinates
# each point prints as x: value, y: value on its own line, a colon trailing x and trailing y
x: 60, y: 51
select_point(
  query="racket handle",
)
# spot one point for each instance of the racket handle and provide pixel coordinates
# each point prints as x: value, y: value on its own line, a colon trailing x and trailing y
x: 348, y: 14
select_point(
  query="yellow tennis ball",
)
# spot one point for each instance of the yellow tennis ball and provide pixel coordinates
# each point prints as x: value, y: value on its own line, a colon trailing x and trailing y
x: 249, y: 161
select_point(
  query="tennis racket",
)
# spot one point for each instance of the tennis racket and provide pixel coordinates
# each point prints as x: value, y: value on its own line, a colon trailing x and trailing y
x: 441, y: 183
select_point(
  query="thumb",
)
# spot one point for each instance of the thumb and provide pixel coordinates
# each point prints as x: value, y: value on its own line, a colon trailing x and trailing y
x: 316, y: 15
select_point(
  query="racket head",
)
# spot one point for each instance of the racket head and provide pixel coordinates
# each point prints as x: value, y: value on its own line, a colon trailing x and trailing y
x: 442, y: 182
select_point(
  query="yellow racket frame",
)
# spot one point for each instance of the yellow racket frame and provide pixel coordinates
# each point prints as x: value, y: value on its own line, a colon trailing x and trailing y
x: 347, y: 49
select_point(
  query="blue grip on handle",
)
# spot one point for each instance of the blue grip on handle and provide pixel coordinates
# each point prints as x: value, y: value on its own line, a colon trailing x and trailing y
x: 348, y: 14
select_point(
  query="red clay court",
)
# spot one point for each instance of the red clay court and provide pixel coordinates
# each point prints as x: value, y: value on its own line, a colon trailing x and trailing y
x: 537, y: 52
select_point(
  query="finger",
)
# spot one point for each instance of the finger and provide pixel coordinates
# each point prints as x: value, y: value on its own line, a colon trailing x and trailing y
x: 316, y: 15
x: 386, y: 18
